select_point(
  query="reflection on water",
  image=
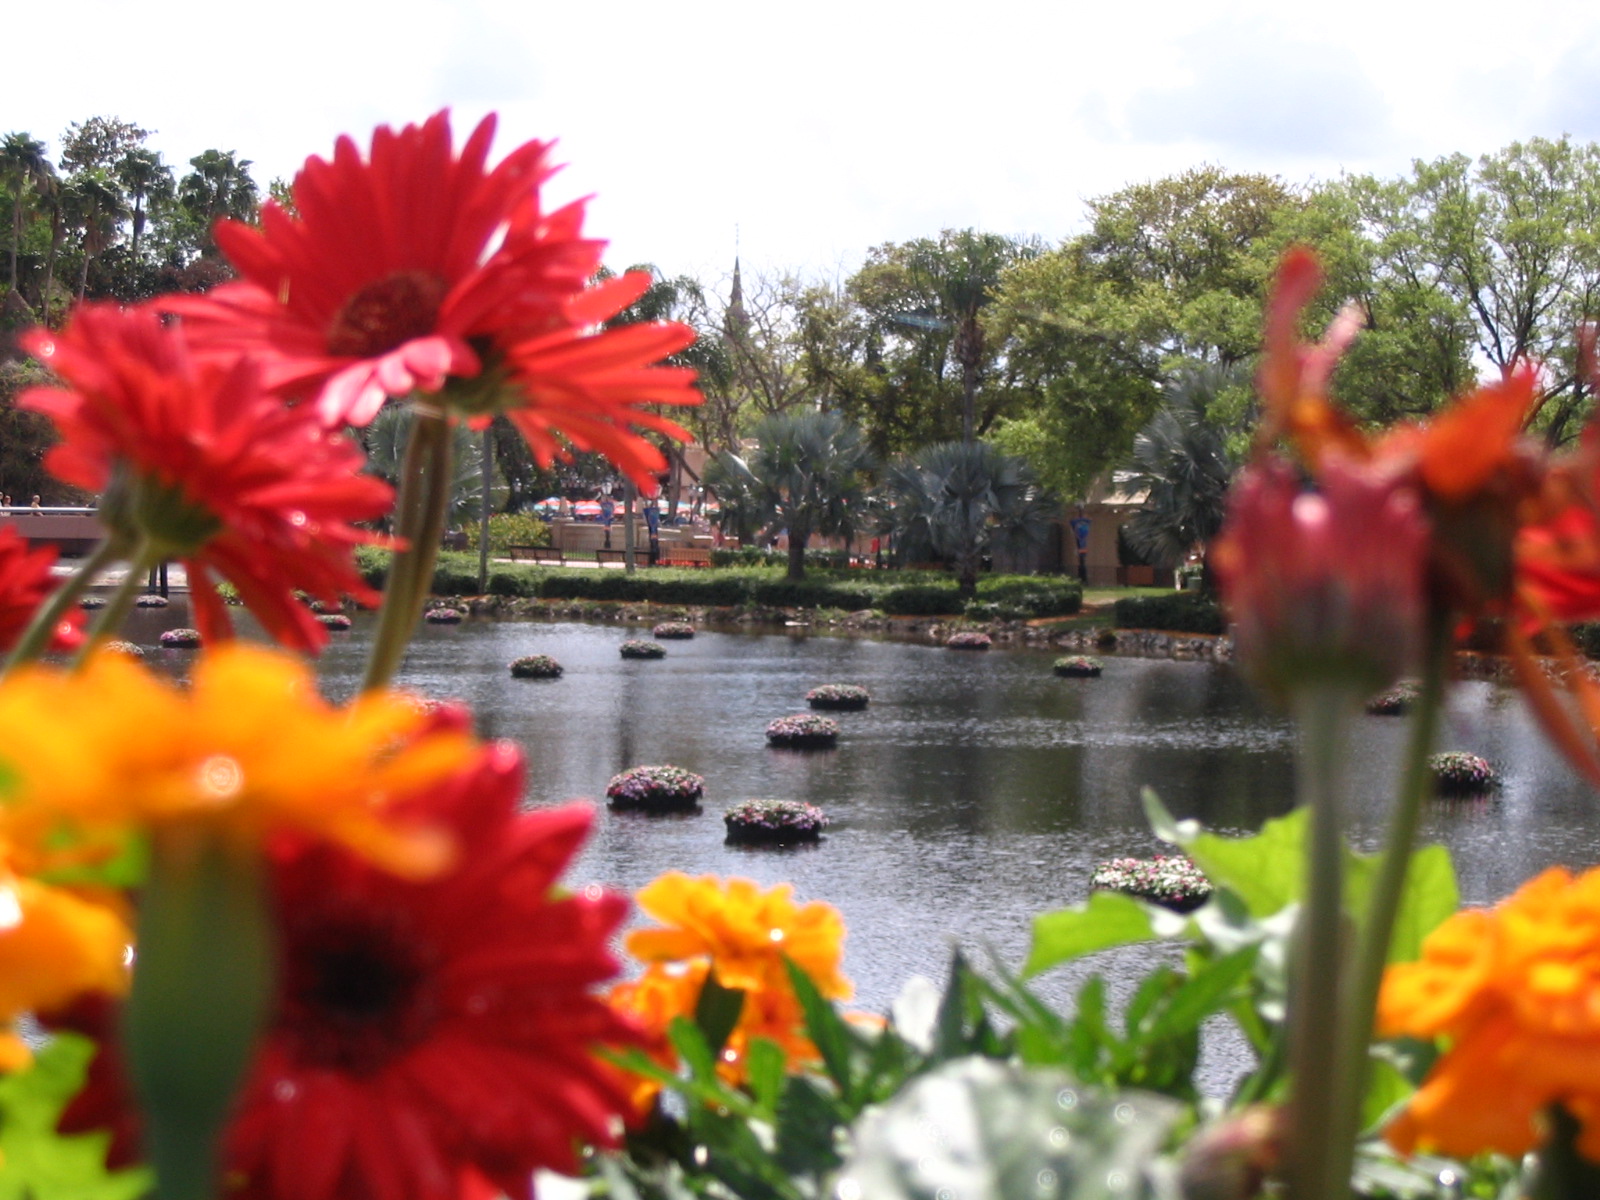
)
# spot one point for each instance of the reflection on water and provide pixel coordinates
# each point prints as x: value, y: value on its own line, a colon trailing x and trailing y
x: 975, y: 791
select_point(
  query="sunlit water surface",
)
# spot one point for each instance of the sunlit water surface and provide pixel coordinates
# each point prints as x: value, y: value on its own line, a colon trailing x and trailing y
x: 976, y: 790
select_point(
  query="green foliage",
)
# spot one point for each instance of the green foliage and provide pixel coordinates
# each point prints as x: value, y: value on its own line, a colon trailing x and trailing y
x: 1020, y: 597
x: 455, y: 574
x: 1179, y: 612
x: 507, y: 530
x: 518, y: 581
x: 922, y: 601
x: 37, y: 1163
x: 812, y: 593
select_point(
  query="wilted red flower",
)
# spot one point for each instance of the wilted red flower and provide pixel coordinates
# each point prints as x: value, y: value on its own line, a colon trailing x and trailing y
x: 417, y: 267
x: 1514, y: 529
x: 432, y: 1040
x: 199, y: 463
x: 1323, y: 583
x: 25, y: 581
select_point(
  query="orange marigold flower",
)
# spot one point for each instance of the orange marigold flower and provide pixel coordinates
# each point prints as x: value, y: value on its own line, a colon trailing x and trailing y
x: 249, y: 749
x: 55, y: 945
x: 740, y: 934
x: 1515, y: 993
x: 417, y: 267
x: 198, y: 462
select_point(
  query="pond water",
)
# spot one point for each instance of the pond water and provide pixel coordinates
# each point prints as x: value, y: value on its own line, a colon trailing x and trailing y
x: 976, y: 790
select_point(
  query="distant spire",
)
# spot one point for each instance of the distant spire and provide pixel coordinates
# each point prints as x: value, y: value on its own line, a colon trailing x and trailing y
x: 736, y: 322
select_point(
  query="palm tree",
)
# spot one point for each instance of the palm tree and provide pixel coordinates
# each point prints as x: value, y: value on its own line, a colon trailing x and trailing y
x: 805, y: 475
x: 96, y: 206
x: 1183, y: 461
x: 386, y: 439
x: 143, y: 174
x: 962, y: 500
x: 962, y: 272
x: 23, y: 166
x: 219, y: 186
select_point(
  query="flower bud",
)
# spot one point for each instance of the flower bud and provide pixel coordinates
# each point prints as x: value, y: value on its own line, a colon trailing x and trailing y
x: 1324, y: 585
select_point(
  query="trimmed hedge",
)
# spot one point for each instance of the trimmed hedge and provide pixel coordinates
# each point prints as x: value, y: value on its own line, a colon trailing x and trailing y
x: 1181, y: 612
x: 922, y: 601
x: 807, y: 593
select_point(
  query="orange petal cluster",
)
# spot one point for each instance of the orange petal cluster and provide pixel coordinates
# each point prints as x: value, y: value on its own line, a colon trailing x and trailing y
x: 1515, y: 994
x: 742, y: 935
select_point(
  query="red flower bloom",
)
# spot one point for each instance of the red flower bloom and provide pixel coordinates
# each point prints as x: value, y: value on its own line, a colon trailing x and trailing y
x: 196, y: 459
x: 417, y: 266
x: 434, y: 1032
x: 24, y: 583
x: 432, y: 1040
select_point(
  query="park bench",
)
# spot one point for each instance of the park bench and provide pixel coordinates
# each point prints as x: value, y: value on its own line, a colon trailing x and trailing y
x: 535, y: 554
x: 683, y: 556
x: 618, y: 556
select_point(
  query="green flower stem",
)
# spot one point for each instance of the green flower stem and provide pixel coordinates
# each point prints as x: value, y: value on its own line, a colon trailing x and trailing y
x: 37, y: 636
x: 116, y: 610
x: 1561, y: 1173
x: 1320, y: 1156
x: 200, y: 997
x: 1372, y: 950
x: 420, y: 514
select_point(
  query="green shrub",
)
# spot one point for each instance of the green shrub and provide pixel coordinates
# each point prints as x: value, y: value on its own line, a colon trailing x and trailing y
x: 507, y: 530
x: 455, y: 574
x: 921, y: 600
x: 808, y: 593
x: 1181, y: 612
x: 1586, y: 636
x: 592, y: 585
x: 514, y: 581
x: 713, y: 589
x: 373, y: 565
x: 1022, y: 596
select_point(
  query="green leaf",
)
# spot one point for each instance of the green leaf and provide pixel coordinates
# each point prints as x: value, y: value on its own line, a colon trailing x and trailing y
x: 764, y: 1061
x: 716, y: 1012
x: 824, y: 1027
x: 1430, y: 897
x: 1208, y: 989
x: 807, y: 1119
x: 37, y: 1163
x: 976, y: 1127
x: 691, y: 1046
x: 1105, y: 920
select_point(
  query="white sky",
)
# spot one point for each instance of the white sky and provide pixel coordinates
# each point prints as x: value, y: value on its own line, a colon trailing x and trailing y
x: 823, y: 128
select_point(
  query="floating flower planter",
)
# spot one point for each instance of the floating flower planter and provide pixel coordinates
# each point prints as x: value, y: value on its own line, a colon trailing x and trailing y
x: 1457, y: 773
x: 92, y: 602
x: 1170, y: 880
x: 152, y: 600
x: 536, y: 666
x: 639, y: 648
x: 1395, y: 702
x: 673, y: 629
x: 325, y: 607
x: 121, y: 647
x: 839, y: 697
x: 335, y: 621
x: 1079, y: 666
x: 656, y: 789
x: 803, y: 731
x: 442, y: 616
x: 968, y: 641
x: 774, y: 822
x: 181, y: 639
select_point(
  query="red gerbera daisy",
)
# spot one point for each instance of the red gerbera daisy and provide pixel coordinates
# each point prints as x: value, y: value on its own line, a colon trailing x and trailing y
x: 432, y: 1040
x: 416, y: 266
x: 433, y: 1033
x: 198, y: 463
x: 25, y: 581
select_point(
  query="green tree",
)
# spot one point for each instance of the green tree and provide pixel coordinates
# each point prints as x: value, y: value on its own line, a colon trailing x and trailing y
x: 1184, y: 460
x: 962, y: 500
x: 24, y: 168
x: 219, y: 186
x: 99, y: 143
x: 95, y: 206
x: 386, y: 438
x: 805, y: 475
x: 143, y: 176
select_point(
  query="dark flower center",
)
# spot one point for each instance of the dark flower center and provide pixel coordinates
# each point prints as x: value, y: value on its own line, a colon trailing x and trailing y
x: 386, y: 313
x: 355, y: 997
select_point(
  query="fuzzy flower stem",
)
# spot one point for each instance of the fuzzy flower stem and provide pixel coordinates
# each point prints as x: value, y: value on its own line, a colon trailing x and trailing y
x: 420, y: 515
x: 1320, y: 1151
x: 37, y: 636
x: 121, y: 603
x: 1372, y: 951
